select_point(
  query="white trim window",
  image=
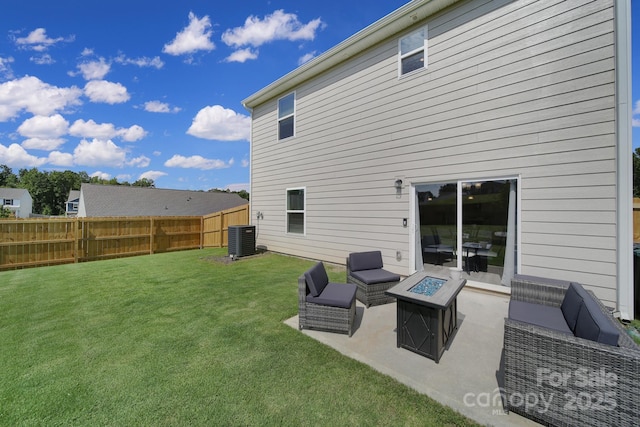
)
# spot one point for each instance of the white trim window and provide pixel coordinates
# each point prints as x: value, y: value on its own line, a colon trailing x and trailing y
x: 412, y: 52
x: 296, y: 213
x: 286, y: 116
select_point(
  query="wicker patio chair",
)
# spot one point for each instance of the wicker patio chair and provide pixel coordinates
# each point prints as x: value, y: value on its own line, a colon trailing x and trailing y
x: 324, y: 305
x: 557, y: 378
x: 364, y: 269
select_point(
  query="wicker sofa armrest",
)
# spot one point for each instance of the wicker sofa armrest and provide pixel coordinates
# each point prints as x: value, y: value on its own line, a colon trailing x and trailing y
x: 538, y: 290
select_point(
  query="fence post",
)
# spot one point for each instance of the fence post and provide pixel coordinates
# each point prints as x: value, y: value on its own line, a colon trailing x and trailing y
x: 151, y: 235
x: 76, y: 240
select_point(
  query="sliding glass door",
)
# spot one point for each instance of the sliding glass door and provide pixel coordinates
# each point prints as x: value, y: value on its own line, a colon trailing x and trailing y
x: 471, y: 225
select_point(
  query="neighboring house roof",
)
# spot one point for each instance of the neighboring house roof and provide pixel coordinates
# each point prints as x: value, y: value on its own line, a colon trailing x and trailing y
x: 382, y: 29
x: 13, y: 193
x: 113, y: 200
x: 74, y: 196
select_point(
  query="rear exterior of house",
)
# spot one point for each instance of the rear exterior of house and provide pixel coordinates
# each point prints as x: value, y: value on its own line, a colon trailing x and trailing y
x: 17, y: 200
x: 491, y: 136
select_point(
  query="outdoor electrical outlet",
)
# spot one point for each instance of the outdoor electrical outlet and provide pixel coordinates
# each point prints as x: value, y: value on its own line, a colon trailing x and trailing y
x: 398, y: 255
x: 404, y: 222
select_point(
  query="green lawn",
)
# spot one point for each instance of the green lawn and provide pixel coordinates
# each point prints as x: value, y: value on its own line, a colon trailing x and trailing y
x: 182, y: 339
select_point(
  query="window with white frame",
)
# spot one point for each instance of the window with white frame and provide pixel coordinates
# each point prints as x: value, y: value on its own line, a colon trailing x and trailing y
x: 286, y: 114
x: 296, y: 203
x: 412, y: 53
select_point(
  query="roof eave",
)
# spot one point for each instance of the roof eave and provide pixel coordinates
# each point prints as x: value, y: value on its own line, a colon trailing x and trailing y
x: 380, y: 30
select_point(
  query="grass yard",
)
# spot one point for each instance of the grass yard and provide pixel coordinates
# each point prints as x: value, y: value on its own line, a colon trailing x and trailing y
x: 182, y: 339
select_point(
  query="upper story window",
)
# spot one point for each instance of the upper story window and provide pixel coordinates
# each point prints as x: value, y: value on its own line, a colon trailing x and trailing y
x: 296, y: 210
x: 413, y: 52
x: 286, y: 113
x: 8, y: 202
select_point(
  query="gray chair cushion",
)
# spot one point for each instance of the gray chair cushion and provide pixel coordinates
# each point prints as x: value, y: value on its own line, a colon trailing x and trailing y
x: 430, y: 240
x: 365, y: 260
x: 595, y: 325
x: 371, y: 277
x: 571, y: 304
x: 335, y: 295
x: 539, y: 314
x: 316, y: 278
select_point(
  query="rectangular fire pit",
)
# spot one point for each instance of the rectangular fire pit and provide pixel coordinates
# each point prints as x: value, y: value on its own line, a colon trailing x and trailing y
x: 427, y: 313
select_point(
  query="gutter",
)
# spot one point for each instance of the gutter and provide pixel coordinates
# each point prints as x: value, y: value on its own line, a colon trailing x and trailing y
x: 398, y: 20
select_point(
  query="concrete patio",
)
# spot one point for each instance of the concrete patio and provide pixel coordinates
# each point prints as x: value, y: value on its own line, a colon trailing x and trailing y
x: 468, y: 377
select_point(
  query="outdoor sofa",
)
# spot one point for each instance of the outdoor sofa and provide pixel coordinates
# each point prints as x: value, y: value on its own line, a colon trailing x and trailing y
x: 567, y: 360
x: 365, y: 270
x: 325, y: 305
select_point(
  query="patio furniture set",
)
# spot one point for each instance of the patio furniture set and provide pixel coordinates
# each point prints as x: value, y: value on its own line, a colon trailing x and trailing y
x: 567, y: 360
x: 426, y: 311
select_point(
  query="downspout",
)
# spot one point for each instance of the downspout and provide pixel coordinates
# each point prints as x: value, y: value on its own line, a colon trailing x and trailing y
x: 250, y: 110
x: 624, y: 249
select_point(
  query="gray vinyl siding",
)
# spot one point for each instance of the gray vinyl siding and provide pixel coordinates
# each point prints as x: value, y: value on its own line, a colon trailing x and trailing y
x: 513, y: 88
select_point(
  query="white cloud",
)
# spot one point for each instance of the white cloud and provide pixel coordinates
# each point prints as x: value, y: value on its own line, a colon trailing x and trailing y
x: 44, y: 127
x: 101, y: 175
x: 196, y: 162
x: 139, y: 162
x: 306, y: 58
x: 31, y: 94
x: 242, y: 55
x: 99, y: 153
x: 94, y: 70
x: 39, y: 41
x: 123, y: 177
x: 132, y: 134
x: 17, y: 156
x: 91, y: 129
x: 159, y: 107
x: 277, y: 26
x: 47, y: 144
x: 154, y: 175
x: 218, y: 123
x: 635, y: 121
x: 60, y: 159
x: 141, y: 62
x: 245, y: 163
x: 196, y: 36
x: 45, y: 59
x: 107, y: 92
x: 5, y: 67
x: 238, y: 187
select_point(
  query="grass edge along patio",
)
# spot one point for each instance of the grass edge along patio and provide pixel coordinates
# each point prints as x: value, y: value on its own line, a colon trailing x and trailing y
x: 180, y: 338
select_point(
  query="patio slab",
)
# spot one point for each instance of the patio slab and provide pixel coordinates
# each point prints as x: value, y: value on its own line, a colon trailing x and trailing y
x: 468, y: 377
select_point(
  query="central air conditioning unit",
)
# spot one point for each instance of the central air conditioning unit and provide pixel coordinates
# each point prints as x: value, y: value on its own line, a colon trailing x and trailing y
x: 242, y: 240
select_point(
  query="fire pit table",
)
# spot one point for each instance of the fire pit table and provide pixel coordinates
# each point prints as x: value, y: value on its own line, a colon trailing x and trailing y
x: 427, y: 314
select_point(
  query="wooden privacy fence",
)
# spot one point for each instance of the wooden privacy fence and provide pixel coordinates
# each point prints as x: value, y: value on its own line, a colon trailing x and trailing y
x: 39, y: 242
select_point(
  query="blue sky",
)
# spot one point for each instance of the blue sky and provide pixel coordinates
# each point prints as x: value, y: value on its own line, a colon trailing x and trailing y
x: 133, y: 89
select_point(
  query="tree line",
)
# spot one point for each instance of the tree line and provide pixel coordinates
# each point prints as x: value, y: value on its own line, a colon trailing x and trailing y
x: 50, y: 190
